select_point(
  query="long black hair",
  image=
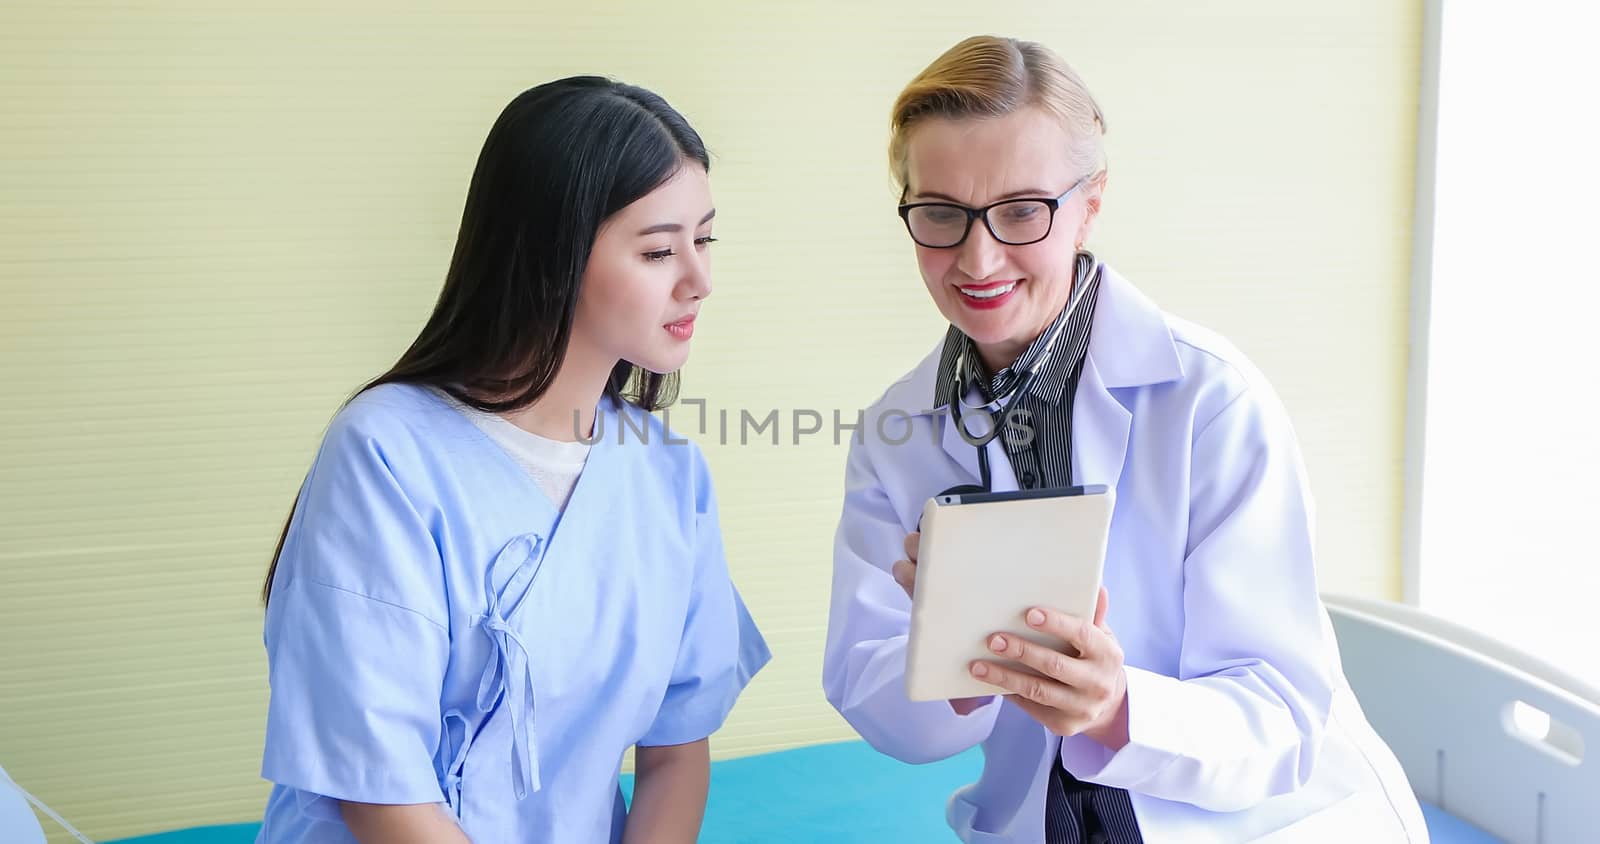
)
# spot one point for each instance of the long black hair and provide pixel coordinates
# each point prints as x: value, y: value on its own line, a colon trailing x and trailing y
x: 561, y: 159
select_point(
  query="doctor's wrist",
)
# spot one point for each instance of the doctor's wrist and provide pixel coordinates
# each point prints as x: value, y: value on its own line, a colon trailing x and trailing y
x: 1112, y: 733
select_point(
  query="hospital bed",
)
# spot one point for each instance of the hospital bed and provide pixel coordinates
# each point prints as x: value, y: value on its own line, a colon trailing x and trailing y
x: 1500, y: 747
x: 1491, y: 738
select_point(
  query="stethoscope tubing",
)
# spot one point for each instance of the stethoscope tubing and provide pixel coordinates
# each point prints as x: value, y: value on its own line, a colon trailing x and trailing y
x: 958, y: 406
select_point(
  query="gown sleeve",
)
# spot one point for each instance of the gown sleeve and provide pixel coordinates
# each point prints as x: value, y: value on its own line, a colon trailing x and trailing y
x: 721, y: 649
x: 356, y: 634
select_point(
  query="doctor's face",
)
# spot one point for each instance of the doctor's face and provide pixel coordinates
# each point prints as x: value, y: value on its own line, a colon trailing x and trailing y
x: 1000, y: 295
x: 648, y: 272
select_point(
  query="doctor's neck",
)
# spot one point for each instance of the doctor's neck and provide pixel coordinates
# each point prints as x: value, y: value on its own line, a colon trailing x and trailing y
x: 566, y: 411
x: 998, y: 356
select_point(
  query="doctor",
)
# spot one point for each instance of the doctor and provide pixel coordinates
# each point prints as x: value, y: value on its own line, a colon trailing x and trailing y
x: 1205, y: 701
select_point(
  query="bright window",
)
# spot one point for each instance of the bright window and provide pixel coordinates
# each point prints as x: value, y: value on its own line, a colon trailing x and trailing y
x: 1510, y: 523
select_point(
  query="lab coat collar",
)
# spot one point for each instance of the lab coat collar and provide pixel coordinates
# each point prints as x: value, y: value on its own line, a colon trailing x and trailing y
x: 1131, y: 345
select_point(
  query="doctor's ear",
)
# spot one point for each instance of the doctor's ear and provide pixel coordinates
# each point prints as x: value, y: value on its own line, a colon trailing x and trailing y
x: 1097, y: 192
x: 1093, y: 196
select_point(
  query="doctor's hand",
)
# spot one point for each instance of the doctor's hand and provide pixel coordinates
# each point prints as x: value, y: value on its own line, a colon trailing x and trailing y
x: 1083, y: 691
x: 905, y: 574
x: 905, y: 571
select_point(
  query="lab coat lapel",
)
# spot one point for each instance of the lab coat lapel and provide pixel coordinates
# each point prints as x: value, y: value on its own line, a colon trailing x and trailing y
x: 1130, y: 346
x: 963, y: 453
x: 1001, y: 476
x: 1099, y: 431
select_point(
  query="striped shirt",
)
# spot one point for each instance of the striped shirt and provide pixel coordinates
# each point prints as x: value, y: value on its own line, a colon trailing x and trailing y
x: 1038, y: 441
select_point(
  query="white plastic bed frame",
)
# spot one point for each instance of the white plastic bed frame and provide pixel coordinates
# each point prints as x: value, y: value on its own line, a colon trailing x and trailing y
x: 1454, y: 705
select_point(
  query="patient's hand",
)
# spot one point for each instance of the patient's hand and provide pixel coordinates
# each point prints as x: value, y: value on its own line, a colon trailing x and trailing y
x: 905, y: 574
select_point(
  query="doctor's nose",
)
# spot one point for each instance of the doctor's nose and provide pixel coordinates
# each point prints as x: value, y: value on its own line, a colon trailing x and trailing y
x: 980, y: 255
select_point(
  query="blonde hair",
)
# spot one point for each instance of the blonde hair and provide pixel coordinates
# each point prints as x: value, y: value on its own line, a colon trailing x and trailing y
x: 989, y: 76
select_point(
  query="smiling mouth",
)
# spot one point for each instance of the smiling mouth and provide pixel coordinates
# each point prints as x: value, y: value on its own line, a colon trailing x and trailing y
x: 683, y: 329
x: 990, y: 291
x: 989, y: 295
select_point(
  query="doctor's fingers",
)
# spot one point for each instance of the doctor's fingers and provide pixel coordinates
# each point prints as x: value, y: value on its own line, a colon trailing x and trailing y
x: 1083, y: 636
x: 1068, y: 670
x: 1057, y: 706
x: 913, y: 542
x: 1043, y: 690
x: 905, y: 574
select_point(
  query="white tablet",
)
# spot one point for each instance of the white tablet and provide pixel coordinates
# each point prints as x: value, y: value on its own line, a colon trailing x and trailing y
x: 982, y: 561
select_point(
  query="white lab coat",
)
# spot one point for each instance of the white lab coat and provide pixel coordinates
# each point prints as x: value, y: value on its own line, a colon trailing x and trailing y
x: 1242, y: 725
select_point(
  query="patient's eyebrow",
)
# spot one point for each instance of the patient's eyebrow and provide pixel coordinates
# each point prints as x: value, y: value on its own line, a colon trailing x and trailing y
x: 658, y: 228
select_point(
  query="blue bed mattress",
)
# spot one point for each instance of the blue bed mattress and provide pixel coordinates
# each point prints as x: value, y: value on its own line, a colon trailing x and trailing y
x: 837, y: 793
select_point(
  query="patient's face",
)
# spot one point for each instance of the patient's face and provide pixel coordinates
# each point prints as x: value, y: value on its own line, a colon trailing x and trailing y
x: 648, y: 273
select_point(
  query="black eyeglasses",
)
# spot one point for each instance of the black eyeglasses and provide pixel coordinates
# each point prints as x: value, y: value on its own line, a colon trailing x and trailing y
x: 1019, y: 222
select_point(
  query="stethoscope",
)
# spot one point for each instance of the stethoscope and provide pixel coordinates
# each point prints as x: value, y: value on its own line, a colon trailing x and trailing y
x: 996, y: 409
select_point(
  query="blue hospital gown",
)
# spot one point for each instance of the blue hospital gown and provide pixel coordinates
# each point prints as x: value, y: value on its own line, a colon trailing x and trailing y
x: 439, y: 632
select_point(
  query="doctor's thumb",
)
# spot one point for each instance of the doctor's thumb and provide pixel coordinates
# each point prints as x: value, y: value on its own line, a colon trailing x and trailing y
x: 1101, y: 604
x: 905, y: 574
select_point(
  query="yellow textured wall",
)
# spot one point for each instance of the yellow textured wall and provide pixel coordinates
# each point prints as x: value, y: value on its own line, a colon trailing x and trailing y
x: 215, y: 222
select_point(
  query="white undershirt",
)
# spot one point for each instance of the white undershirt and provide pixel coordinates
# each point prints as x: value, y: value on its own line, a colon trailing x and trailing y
x: 554, y: 465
